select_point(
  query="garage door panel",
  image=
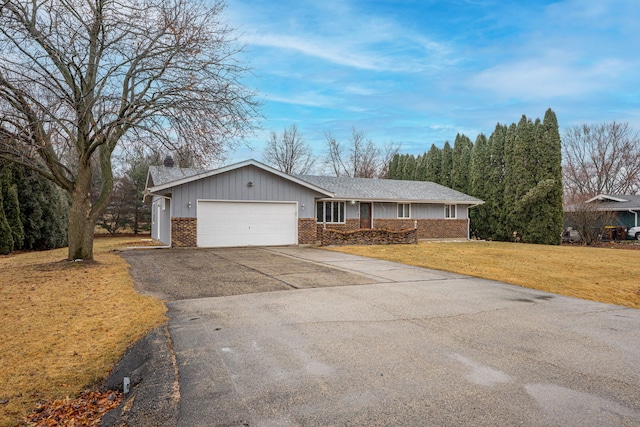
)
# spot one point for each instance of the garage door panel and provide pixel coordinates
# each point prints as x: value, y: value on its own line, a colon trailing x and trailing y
x: 246, y: 224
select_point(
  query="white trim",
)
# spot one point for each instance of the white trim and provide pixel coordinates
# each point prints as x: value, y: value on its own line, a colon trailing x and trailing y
x: 324, y: 211
x: 403, y: 211
x: 413, y: 201
x: 606, y: 197
x: 249, y: 162
x: 455, y: 211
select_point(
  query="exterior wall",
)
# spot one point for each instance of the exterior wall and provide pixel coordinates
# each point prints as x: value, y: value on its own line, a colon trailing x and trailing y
x: 233, y: 185
x: 184, y: 232
x: 385, y: 210
x: 443, y: 229
x: 161, y: 219
x: 389, y: 210
x: 307, y: 231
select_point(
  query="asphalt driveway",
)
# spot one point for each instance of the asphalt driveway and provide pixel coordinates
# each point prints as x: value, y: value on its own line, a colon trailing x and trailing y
x: 397, y: 345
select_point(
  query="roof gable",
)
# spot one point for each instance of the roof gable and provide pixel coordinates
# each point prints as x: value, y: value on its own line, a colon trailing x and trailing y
x: 161, y: 178
x: 617, y: 202
x: 164, y: 177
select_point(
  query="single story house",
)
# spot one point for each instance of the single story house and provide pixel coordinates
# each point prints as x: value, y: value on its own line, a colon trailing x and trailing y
x: 252, y: 204
x: 624, y: 207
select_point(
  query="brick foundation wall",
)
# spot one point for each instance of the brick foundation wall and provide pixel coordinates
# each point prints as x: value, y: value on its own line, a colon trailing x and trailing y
x: 184, y: 232
x: 442, y: 229
x: 393, y: 224
x: 307, y: 231
x: 368, y: 236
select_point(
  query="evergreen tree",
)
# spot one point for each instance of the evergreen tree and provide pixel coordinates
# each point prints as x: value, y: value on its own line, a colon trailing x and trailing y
x: 43, y: 209
x: 6, y: 239
x: 12, y: 208
x: 546, y: 222
x: 479, y: 187
x: 394, y: 167
x: 446, y: 165
x: 496, y: 184
x: 533, y: 184
x: 421, y: 168
x: 510, y: 183
x: 461, y: 164
x: 433, y: 164
x: 409, y: 167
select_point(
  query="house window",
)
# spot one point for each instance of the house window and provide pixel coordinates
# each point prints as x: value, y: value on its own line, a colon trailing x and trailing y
x: 404, y: 210
x: 450, y: 211
x: 330, y: 212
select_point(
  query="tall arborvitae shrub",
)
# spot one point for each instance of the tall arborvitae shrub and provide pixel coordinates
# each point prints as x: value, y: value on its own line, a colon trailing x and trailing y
x: 12, y: 211
x: 394, y: 167
x: 446, y: 165
x: 461, y: 164
x: 495, y: 179
x: 43, y: 208
x: 433, y: 164
x: 545, y: 210
x: 479, y: 187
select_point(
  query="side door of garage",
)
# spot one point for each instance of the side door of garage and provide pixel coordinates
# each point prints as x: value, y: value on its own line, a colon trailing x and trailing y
x: 240, y: 223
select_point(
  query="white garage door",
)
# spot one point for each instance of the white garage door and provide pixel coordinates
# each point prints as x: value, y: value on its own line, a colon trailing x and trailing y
x: 247, y: 224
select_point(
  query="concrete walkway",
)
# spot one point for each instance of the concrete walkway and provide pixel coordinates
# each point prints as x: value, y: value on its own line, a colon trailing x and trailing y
x: 412, y: 347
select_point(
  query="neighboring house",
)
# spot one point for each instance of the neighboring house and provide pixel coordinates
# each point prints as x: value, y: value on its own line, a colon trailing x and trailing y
x: 252, y: 204
x: 625, y: 208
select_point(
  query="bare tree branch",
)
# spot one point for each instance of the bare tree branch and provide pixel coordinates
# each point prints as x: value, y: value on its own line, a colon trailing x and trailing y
x: 289, y: 152
x: 81, y: 77
x: 601, y: 159
x: 364, y: 158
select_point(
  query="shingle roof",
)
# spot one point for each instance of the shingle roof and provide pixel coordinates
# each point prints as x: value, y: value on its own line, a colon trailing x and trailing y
x: 344, y: 188
x: 609, y: 201
x: 387, y: 189
x: 161, y: 174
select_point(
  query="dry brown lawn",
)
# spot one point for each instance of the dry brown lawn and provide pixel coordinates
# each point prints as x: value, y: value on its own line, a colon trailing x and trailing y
x: 598, y: 274
x: 63, y: 325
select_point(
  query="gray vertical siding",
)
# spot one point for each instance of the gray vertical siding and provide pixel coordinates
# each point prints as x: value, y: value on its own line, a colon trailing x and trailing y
x: 233, y: 185
x: 386, y: 210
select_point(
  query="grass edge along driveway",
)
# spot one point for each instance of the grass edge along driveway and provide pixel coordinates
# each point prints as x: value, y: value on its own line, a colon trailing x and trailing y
x: 63, y: 325
x: 605, y: 275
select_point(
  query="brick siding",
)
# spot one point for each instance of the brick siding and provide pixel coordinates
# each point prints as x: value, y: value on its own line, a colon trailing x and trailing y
x: 184, y: 232
x: 307, y: 231
x: 442, y: 229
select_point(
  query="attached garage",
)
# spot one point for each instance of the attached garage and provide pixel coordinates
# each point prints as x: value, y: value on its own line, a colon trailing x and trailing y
x: 246, y: 223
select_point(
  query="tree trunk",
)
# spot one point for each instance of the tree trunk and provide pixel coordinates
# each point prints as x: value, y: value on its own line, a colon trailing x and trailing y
x: 81, y: 226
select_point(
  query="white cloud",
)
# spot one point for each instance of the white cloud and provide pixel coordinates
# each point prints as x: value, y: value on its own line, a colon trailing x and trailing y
x: 326, y: 50
x: 548, y: 78
x: 308, y: 99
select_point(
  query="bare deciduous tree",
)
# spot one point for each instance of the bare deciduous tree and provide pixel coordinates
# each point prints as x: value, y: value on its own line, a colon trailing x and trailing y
x: 289, y: 152
x: 588, y: 220
x: 363, y: 159
x: 601, y: 159
x: 80, y: 77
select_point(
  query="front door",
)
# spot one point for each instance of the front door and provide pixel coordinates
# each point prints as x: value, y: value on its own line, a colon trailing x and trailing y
x: 365, y: 215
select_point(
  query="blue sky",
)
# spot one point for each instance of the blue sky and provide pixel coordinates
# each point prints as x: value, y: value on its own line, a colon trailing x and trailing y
x: 418, y: 72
